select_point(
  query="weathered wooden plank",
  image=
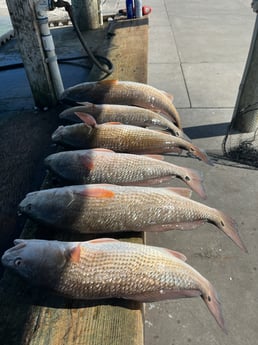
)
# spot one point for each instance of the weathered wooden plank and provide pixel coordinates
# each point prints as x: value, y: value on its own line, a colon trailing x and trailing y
x: 26, y: 30
x: 126, y: 45
x: 31, y: 316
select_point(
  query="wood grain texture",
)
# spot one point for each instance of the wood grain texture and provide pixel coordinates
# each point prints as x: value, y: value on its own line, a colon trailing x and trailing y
x: 126, y: 46
x: 33, y: 316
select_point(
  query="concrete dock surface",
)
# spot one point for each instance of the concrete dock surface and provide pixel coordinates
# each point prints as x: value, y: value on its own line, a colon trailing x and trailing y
x: 197, y: 52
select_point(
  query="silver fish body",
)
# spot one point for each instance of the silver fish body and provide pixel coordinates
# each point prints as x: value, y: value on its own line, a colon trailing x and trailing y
x: 124, y: 138
x: 104, y: 166
x: 123, y: 93
x: 128, y: 115
x: 110, y: 208
x: 107, y: 268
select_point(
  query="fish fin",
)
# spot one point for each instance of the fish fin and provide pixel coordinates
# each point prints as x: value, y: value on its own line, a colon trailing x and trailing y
x: 102, y: 240
x: 174, y: 226
x: 108, y: 82
x: 19, y: 243
x: 87, y: 161
x: 113, y: 123
x: 75, y: 253
x: 163, y: 294
x: 102, y: 150
x: 86, y: 118
x: 200, y: 154
x: 186, y: 192
x: 177, y: 254
x: 149, y: 182
x: 158, y: 157
x: 97, y: 193
x: 194, y: 180
x: 211, y: 299
x: 230, y: 228
x: 169, y: 96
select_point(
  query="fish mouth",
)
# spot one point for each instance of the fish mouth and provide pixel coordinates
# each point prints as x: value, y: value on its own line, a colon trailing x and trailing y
x: 58, y: 134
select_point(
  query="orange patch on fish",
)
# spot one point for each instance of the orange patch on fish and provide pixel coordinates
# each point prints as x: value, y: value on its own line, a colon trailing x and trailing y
x: 75, y: 254
x: 108, y: 82
x: 97, y: 193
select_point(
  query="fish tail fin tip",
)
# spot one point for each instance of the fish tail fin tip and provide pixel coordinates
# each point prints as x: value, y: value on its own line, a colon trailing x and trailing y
x: 230, y: 228
x: 194, y: 179
x: 212, y: 301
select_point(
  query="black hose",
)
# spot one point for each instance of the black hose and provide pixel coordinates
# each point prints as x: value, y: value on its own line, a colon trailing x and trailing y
x: 61, y: 61
x: 94, y: 58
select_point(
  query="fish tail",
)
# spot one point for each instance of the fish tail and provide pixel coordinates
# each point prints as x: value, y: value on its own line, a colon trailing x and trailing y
x: 211, y: 299
x: 200, y: 154
x: 195, y: 181
x: 230, y: 228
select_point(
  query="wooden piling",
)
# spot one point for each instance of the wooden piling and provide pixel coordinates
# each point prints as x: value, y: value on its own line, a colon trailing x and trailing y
x: 86, y: 13
x: 24, y: 21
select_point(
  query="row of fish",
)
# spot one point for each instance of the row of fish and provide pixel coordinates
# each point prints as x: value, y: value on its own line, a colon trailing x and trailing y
x: 109, y: 176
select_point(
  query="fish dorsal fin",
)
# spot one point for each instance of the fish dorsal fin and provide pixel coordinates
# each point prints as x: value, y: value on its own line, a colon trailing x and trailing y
x: 86, y: 118
x: 168, y: 95
x: 186, y: 192
x: 176, y: 254
x: 99, y: 149
x: 108, y: 82
x: 158, y: 157
x: 75, y: 253
x: 102, y: 240
x: 97, y: 192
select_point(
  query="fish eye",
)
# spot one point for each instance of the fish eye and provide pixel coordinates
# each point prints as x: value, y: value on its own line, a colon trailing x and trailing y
x: 187, y: 178
x: 192, y: 149
x: 18, y: 262
x: 29, y: 206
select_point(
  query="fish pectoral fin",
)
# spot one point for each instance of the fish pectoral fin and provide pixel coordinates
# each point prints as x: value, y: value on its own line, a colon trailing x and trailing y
x: 168, y: 95
x: 100, y: 149
x: 96, y: 192
x: 102, y: 240
x: 176, y: 254
x: 164, y: 294
x: 186, y: 192
x: 86, y: 118
x: 113, y: 123
x: 158, y: 157
x: 174, y: 226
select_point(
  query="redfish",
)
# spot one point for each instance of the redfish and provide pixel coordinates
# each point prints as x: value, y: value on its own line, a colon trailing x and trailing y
x: 107, y: 268
x: 125, y: 114
x: 104, y: 208
x: 123, y: 138
x: 106, y: 166
x: 123, y: 92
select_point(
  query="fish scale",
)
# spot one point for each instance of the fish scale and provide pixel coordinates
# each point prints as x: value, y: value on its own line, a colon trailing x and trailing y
x: 107, y: 268
x: 118, y: 272
x: 123, y: 92
x: 105, y: 166
x: 106, y: 208
x: 123, y: 138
